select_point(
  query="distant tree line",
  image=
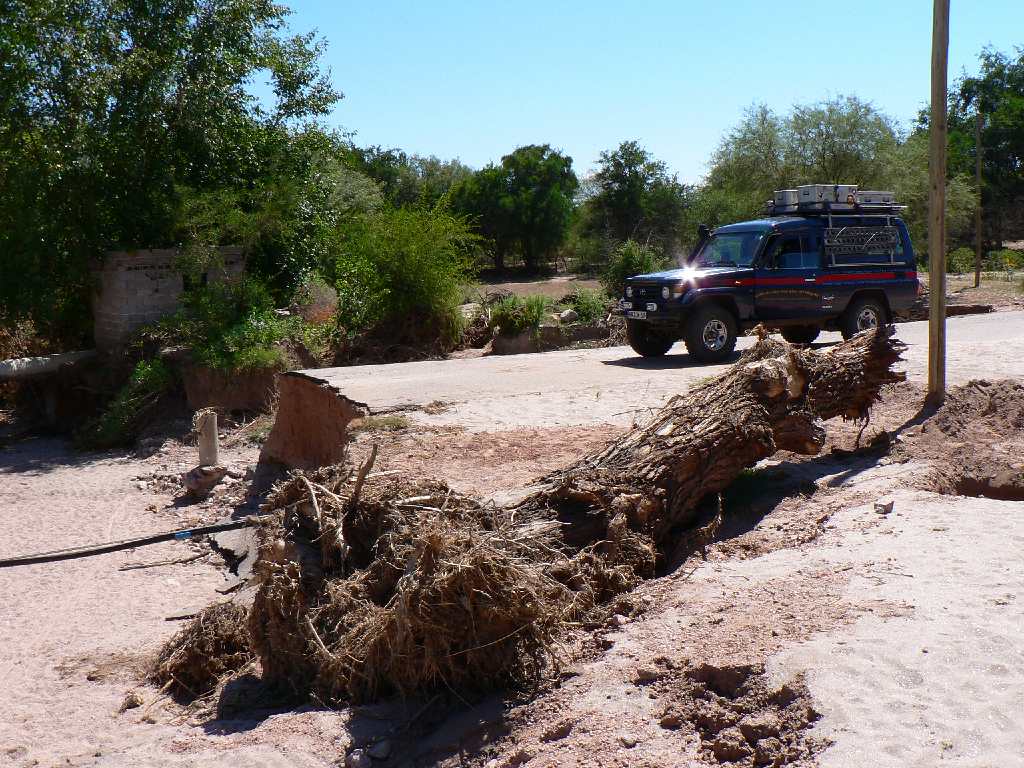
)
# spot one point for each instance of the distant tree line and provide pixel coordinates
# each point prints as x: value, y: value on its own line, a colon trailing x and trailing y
x: 125, y: 125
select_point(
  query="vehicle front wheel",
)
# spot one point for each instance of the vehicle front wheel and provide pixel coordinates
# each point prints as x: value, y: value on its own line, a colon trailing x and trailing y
x: 711, y: 334
x: 862, y: 315
x: 645, y: 340
x: 800, y: 334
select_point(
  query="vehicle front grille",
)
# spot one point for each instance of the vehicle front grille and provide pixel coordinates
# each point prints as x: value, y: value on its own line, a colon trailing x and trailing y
x: 651, y: 292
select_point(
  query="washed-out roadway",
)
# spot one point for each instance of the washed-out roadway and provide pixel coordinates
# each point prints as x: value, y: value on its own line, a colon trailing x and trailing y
x: 614, y: 385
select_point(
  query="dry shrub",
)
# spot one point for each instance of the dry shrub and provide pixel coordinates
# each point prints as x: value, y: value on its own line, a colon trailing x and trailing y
x: 414, y: 587
x: 214, y: 644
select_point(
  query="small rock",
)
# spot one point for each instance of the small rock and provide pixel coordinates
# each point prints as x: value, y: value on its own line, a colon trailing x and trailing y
x: 471, y: 310
x: 132, y: 700
x: 235, y: 474
x: 201, y: 480
x: 628, y: 740
x: 141, y: 485
x: 730, y: 746
x: 884, y: 509
x: 569, y: 316
x: 282, y: 313
x: 558, y: 731
x: 768, y: 751
x: 759, y: 726
x: 618, y: 620
x: 380, y: 750
x: 647, y: 675
x: 670, y: 721
x: 358, y: 758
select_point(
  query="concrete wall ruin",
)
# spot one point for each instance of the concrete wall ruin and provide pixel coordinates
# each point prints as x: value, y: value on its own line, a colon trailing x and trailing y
x: 134, y: 288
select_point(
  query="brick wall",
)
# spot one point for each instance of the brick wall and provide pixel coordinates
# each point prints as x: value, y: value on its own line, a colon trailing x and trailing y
x: 134, y: 288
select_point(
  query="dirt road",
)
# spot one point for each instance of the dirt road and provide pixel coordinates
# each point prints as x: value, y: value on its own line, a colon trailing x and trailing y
x: 613, y: 385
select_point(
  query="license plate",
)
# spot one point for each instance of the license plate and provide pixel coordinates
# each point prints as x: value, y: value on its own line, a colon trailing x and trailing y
x: 637, y: 315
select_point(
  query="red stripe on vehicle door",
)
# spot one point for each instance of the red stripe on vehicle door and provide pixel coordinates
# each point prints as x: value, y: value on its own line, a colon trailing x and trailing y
x: 857, y: 276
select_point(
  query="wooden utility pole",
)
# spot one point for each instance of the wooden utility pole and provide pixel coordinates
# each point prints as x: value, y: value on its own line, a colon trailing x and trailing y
x: 937, y: 206
x: 977, y: 210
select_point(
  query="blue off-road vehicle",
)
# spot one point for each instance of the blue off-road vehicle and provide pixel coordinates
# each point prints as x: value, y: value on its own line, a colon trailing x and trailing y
x: 824, y: 256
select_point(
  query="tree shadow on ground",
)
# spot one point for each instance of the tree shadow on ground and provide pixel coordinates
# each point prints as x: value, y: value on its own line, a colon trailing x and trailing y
x: 757, y: 492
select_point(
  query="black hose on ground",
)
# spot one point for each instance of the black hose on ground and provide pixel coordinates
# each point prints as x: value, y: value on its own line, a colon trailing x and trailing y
x: 115, y: 546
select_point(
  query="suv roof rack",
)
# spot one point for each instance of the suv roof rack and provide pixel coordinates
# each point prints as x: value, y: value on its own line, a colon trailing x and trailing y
x: 832, y: 200
x: 833, y: 209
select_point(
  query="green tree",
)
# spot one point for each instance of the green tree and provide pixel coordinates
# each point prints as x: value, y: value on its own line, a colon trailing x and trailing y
x: 109, y: 108
x: 635, y: 198
x: 997, y: 94
x: 541, y: 185
x: 906, y: 174
x: 526, y: 203
x: 839, y: 141
x: 748, y: 165
x: 485, y: 201
x: 408, y: 179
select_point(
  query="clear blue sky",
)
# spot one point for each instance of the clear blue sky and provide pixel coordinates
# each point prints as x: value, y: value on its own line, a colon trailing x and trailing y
x: 474, y: 80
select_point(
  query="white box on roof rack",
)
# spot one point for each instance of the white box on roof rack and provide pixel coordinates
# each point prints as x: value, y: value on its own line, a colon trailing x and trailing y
x: 846, y: 193
x: 827, y: 193
x: 786, y: 197
x: 817, y: 193
x: 871, y: 197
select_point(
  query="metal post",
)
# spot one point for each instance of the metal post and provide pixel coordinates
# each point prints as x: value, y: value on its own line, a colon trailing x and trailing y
x: 977, y: 210
x: 937, y: 206
x: 209, y: 440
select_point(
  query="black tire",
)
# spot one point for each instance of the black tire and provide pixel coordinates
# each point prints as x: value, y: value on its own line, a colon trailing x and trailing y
x: 861, y: 315
x: 800, y: 334
x: 645, y: 340
x: 711, y: 334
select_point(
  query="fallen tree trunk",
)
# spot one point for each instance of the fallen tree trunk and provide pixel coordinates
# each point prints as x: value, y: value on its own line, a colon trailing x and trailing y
x: 652, y: 478
x: 378, y: 586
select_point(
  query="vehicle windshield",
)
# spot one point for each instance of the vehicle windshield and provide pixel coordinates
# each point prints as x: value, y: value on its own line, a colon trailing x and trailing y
x: 729, y: 249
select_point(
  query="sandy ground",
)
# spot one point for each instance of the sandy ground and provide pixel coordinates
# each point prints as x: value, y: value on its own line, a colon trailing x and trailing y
x: 1001, y: 293
x: 829, y: 633
x: 554, y: 288
x: 613, y: 386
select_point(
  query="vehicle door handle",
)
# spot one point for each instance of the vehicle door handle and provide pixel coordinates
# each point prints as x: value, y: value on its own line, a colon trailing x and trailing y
x: 810, y: 279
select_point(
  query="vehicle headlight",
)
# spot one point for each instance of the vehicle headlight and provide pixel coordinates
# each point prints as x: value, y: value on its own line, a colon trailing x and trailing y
x: 665, y: 292
x: 629, y: 291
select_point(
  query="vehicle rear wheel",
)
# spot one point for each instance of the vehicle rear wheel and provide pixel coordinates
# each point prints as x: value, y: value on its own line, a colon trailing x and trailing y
x: 711, y: 334
x: 646, y: 341
x: 862, y: 315
x: 800, y: 334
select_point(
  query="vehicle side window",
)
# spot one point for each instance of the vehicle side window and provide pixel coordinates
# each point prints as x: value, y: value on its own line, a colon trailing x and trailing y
x: 790, y: 254
x: 795, y: 252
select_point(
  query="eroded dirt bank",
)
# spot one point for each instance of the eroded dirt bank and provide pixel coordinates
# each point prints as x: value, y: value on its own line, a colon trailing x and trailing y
x: 818, y: 631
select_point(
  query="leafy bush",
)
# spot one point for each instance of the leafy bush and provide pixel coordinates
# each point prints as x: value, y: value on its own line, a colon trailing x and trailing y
x: 628, y: 260
x: 315, y: 300
x: 230, y: 326
x: 121, y: 420
x: 514, y: 314
x: 589, y: 304
x: 1004, y: 260
x: 400, y: 272
x: 960, y: 261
